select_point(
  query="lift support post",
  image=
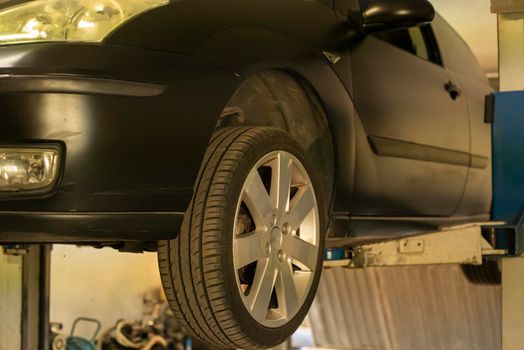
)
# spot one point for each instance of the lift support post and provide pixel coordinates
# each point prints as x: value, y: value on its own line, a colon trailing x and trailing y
x: 511, y: 76
x: 10, y: 301
x: 24, y: 297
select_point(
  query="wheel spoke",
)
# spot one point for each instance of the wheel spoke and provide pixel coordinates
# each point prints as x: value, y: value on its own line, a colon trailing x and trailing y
x: 304, y: 253
x: 281, y: 182
x: 249, y: 248
x: 257, y: 199
x: 286, y: 290
x: 301, y: 205
x: 263, y: 284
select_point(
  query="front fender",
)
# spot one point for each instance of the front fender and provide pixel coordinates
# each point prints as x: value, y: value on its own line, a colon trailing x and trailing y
x: 249, y: 37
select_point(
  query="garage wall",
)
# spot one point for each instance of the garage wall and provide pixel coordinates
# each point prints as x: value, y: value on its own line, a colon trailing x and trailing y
x: 102, y: 284
x: 474, y: 21
x: 405, y: 308
x: 10, y: 301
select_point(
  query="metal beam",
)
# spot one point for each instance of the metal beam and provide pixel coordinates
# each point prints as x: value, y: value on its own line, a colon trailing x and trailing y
x: 507, y: 6
x: 24, y: 297
x: 511, y: 51
x: 511, y: 43
x: 463, y: 244
x: 35, y: 297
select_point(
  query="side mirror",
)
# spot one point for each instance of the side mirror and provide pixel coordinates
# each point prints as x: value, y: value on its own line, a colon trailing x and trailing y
x: 380, y: 15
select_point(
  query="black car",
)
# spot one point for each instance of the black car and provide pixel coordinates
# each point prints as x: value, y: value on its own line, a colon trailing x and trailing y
x: 237, y: 138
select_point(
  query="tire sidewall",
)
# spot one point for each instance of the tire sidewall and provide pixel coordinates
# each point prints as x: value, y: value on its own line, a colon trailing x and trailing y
x: 273, y: 141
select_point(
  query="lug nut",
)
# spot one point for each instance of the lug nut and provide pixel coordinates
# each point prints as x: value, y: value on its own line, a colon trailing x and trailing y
x: 273, y: 221
x: 281, y: 256
x: 286, y: 229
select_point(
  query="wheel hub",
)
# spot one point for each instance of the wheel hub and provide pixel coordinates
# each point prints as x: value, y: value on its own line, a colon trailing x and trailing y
x: 275, y: 239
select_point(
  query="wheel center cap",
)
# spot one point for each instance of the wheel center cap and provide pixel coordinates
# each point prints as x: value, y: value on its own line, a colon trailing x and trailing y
x: 275, y: 238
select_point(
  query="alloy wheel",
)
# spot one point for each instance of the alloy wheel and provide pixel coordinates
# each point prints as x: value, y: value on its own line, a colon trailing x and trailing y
x: 276, y: 239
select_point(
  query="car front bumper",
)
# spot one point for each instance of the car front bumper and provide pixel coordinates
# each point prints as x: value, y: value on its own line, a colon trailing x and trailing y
x: 134, y: 125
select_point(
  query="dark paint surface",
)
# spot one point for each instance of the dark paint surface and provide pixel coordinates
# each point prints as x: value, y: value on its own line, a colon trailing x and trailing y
x: 403, y: 98
x: 123, y: 153
x: 386, y: 14
x: 141, y: 154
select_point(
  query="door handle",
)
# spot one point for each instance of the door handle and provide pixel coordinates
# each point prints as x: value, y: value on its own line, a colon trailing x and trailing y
x: 453, y: 90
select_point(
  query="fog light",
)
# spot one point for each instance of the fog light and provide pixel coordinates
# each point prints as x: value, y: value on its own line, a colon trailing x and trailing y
x: 27, y: 168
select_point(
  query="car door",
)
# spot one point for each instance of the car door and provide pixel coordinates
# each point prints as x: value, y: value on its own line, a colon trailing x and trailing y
x: 462, y: 63
x: 413, y: 138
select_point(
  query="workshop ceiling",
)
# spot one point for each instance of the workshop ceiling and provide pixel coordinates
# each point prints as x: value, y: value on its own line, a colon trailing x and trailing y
x: 473, y: 20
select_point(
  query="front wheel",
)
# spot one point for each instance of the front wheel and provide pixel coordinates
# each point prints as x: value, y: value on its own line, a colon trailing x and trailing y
x: 245, y: 268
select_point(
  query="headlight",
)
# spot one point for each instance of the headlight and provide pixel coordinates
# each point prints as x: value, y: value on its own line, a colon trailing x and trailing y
x: 28, y: 168
x: 68, y: 20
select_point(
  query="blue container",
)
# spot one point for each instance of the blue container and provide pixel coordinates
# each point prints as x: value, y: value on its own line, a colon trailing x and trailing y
x: 334, y: 254
x: 508, y: 158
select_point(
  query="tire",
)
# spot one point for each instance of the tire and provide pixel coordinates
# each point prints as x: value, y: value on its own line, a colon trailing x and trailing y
x: 216, y: 286
x: 486, y: 274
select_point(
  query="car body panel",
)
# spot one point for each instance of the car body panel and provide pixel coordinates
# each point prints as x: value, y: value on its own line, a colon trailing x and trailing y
x: 403, y: 100
x: 90, y: 123
x: 96, y: 228
x: 247, y: 38
x: 461, y: 62
x: 169, y: 26
x: 478, y: 192
x: 129, y: 139
x: 129, y: 151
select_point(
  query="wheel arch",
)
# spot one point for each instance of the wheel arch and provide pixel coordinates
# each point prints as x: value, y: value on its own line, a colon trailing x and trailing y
x: 287, y: 101
x: 318, y: 84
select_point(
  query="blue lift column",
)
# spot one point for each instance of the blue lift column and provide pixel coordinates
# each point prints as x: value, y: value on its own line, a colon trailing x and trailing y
x: 508, y: 165
x: 508, y: 161
x: 508, y: 206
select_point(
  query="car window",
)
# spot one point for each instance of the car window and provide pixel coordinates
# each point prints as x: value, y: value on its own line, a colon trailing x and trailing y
x: 415, y: 40
x: 456, y: 54
x: 419, y: 43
